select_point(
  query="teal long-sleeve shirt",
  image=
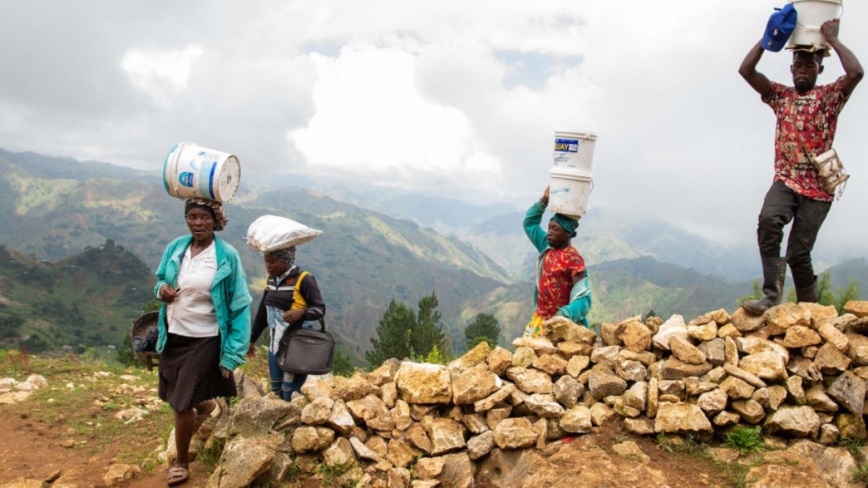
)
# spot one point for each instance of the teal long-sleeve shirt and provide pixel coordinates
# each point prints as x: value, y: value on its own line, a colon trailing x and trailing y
x: 580, y: 296
x: 228, y: 291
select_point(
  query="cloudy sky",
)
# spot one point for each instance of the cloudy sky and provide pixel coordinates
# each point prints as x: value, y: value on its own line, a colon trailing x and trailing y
x: 455, y: 98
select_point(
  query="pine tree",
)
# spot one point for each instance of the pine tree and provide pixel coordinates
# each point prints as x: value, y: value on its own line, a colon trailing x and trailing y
x: 485, y: 327
x: 393, y: 334
x: 427, y: 334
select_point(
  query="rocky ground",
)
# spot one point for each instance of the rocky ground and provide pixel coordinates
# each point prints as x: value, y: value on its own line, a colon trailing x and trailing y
x: 722, y: 400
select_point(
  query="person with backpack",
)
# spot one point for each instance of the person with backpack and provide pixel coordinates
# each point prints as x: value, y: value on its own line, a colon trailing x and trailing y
x: 291, y: 300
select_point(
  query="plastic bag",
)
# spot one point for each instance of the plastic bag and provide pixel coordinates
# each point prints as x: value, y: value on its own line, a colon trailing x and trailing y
x: 270, y: 233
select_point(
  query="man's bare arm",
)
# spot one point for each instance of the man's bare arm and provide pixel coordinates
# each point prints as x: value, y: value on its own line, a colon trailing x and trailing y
x: 853, y: 71
x: 754, y: 78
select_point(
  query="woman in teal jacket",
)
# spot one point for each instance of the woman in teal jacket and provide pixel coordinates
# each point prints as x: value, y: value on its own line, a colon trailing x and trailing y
x: 204, y: 324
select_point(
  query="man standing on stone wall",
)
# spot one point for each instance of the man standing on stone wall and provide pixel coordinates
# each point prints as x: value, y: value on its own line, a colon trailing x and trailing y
x: 807, y: 116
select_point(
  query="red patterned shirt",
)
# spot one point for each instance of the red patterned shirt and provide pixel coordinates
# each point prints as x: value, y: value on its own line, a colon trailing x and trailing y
x: 808, y: 121
x: 556, y: 279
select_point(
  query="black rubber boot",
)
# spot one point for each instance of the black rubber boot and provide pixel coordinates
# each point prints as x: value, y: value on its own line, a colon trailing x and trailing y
x: 774, y: 272
x: 809, y: 294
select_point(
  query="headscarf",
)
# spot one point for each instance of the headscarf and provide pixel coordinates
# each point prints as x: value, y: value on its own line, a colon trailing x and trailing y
x: 215, y: 207
x: 287, y: 255
x: 568, y: 224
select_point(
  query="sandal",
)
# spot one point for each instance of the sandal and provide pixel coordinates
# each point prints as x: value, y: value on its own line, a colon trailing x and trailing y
x: 202, y: 416
x: 177, y: 475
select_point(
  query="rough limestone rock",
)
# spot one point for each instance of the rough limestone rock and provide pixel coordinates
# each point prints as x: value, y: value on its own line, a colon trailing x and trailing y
x: 384, y: 374
x: 577, y: 420
x: 857, y: 308
x: 119, y: 473
x: 725, y: 419
x: 750, y: 410
x: 712, y: 402
x: 737, y: 389
x: 369, y: 408
x: 515, y: 433
x: 352, y: 388
x: 745, y: 322
x: 261, y: 415
x: 830, y: 360
x: 631, y: 370
x: 682, y: 418
x: 767, y: 365
x: 417, y: 436
x: 340, y: 418
x: 728, y: 330
x: 473, y: 384
x: 804, y: 367
x: 829, y: 434
x: 794, y: 421
x: 363, y: 451
x: 544, y: 406
x: 457, y: 471
x: 567, y: 391
x: 312, y: 439
x: 601, y: 413
x: 340, y: 453
x: 770, y: 398
x: 673, y: 369
x: 858, y: 350
x: 559, y: 329
x: 799, y: 336
x: 849, y: 390
x: 780, y: 318
x: 401, y: 453
x: 530, y: 381
x: 609, y: 333
x: 819, y: 400
x: 318, y: 411
x: 639, y: 426
x: 704, y: 332
x: 424, y: 383
x: 243, y: 460
x: 446, y: 435
x: 603, y: 382
x: 636, y: 396
x: 745, y: 376
x: 577, y: 364
x: 675, y: 326
x: 684, y: 351
x: 570, y: 349
x: 538, y: 344
x: 635, y: 336
x: 480, y: 445
x: 499, y: 360
x: 429, y: 468
x: 498, y: 396
x: 551, y: 364
x: 832, y: 335
x: 523, y: 357
x: 631, y: 450
x: 754, y: 345
x: 606, y: 356
x: 852, y: 426
x: 476, y: 356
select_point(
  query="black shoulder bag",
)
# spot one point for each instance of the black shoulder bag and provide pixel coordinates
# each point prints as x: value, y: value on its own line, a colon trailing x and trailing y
x: 306, y: 351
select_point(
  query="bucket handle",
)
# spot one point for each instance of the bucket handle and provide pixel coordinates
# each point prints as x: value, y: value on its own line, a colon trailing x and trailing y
x: 841, y: 14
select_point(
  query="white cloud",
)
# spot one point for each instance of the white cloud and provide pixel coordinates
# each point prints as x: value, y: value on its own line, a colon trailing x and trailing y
x: 160, y: 73
x: 422, y: 95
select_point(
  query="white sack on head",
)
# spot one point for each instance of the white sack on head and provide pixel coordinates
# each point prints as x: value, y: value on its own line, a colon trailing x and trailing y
x: 270, y: 233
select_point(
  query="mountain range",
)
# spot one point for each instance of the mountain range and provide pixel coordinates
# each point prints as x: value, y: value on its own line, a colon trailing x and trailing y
x: 392, y: 246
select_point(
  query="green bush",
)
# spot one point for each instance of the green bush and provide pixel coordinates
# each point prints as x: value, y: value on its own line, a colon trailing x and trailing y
x: 745, y: 439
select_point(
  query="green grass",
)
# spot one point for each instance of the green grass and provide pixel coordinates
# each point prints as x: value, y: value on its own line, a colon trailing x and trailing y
x: 745, y: 440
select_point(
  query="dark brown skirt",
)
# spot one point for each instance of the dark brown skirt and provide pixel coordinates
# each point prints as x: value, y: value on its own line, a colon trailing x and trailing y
x: 190, y: 372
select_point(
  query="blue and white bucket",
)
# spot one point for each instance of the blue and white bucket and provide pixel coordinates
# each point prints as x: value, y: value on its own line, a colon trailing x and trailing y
x: 195, y: 171
x: 574, y: 149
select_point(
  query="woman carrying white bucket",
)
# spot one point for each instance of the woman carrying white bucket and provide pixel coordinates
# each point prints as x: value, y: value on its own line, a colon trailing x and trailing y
x: 562, y: 281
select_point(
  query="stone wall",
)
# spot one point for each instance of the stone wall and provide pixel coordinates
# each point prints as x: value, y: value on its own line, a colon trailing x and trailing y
x: 799, y: 371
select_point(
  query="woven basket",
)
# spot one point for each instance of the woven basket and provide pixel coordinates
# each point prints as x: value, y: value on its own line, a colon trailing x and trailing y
x: 140, y: 328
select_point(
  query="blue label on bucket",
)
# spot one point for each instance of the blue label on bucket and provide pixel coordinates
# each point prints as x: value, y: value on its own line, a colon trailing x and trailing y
x: 567, y: 145
x: 186, y: 179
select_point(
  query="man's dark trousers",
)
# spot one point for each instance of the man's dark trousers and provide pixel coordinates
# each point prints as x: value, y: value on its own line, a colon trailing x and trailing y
x: 781, y: 206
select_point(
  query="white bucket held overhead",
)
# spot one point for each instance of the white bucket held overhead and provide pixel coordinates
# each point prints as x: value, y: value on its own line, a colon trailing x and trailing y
x: 569, y: 189
x: 574, y: 149
x: 811, y: 16
x: 195, y: 171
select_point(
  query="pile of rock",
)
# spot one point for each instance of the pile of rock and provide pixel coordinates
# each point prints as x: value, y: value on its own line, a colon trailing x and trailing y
x: 799, y: 370
x: 12, y: 391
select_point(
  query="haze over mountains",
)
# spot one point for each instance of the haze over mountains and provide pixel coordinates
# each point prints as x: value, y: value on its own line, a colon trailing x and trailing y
x: 378, y: 245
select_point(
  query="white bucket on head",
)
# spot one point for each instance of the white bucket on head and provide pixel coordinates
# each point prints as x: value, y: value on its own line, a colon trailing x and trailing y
x: 574, y: 149
x: 811, y: 16
x: 196, y: 171
x: 569, y: 189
